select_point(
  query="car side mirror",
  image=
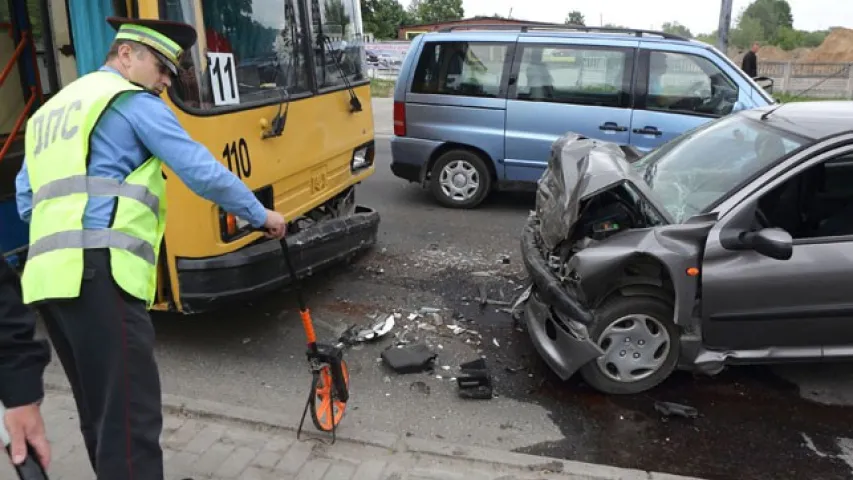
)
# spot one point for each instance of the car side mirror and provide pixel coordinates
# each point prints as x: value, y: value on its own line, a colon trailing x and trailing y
x: 771, y: 242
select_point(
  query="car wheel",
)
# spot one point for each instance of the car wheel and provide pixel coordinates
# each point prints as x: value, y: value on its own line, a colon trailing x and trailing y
x: 640, y: 342
x: 460, y: 179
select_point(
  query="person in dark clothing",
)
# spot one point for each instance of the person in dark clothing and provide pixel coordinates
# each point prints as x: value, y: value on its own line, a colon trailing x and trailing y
x: 750, y: 61
x: 23, y: 359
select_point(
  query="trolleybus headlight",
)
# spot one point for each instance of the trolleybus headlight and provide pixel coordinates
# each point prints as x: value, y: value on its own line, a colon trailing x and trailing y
x: 232, y: 227
x: 362, y: 157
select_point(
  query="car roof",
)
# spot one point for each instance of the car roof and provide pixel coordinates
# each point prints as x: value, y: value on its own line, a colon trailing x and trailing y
x: 500, y: 32
x: 813, y: 119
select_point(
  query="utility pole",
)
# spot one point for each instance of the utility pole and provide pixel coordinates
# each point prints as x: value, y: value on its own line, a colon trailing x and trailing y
x: 725, y: 23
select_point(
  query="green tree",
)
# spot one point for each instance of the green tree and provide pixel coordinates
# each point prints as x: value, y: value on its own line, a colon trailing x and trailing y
x: 382, y: 17
x: 814, y: 39
x: 437, y: 11
x: 337, y: 19
x: 575, y: 17
x: 709, y: 38
x: 773, y: 15
x: 749, y: 30
x: 676, y: 28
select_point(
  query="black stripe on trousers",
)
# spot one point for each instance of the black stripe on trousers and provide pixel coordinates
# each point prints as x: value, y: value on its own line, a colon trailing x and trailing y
x: 105, y: 341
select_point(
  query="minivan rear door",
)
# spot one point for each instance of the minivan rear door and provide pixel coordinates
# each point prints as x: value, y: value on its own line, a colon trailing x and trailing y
x: 458, y: 91
x: 558, y: 85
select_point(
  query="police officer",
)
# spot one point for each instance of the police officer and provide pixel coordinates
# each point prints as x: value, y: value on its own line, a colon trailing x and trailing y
x: 94, y: 193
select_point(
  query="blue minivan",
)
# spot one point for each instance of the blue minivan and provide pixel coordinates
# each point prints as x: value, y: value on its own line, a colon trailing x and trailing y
x: 478, y: 110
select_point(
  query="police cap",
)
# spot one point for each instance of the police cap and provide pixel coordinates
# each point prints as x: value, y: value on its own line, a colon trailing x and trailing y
x: 168, y: 40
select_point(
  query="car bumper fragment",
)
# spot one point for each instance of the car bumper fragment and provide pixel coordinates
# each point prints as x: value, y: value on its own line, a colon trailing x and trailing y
x: 563, y: 346
x: 551, y: 290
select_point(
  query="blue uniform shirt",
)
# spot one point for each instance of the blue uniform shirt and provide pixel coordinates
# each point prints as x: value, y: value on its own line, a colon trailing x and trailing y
x: 129, y: 132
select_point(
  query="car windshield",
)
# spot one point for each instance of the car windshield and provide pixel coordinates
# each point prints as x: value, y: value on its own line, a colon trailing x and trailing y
x: 696, y: 169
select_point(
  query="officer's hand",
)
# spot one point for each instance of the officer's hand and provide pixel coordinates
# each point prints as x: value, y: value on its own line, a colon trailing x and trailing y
x: 275, y: 225
x: 25, y: 424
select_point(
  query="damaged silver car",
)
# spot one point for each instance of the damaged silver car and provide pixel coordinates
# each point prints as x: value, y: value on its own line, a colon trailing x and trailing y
x: 732, y: 243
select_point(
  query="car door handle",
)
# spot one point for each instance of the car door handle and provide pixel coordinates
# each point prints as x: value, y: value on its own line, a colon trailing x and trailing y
x: 612, y: 127
x: 647, y: 130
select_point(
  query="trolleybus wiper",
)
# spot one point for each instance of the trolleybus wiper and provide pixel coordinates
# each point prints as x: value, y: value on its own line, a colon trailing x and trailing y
x: 355, y: 104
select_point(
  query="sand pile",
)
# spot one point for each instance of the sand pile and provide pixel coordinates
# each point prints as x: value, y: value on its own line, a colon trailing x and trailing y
x: 772, y: 53
x: 838, y: 47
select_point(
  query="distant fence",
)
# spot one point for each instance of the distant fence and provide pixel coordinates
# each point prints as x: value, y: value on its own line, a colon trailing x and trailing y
x: 822, y: 80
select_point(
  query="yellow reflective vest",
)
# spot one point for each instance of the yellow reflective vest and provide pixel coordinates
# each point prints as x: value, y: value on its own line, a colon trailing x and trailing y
x: 57, y: 153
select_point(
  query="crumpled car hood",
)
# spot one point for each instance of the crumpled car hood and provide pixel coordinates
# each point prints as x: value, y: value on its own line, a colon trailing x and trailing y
x: 578, y: 168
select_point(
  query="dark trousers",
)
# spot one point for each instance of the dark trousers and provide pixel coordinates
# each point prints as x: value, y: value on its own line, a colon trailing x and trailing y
x: 105, y: 341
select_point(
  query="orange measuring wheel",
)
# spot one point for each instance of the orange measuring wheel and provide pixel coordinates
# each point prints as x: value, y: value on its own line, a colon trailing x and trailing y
x: 329, y: 374
x: 327, y: 406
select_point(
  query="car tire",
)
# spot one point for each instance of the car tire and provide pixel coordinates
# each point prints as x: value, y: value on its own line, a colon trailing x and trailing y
x: 651, y: 319
x: 474, y: 174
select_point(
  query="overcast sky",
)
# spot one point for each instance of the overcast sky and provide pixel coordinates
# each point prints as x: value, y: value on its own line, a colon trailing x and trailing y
x: 700, y: 16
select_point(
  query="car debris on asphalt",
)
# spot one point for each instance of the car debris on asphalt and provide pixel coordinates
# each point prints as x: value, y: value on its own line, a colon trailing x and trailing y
x: 409, y: 358
x: 670, y: 409
x: 474, y: 381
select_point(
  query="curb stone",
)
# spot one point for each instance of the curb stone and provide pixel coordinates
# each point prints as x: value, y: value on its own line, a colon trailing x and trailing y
x: 215, y: 411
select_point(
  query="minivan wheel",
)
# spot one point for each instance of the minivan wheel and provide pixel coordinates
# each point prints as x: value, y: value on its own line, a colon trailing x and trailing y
x: 460, y: 179
x: 640, y: 342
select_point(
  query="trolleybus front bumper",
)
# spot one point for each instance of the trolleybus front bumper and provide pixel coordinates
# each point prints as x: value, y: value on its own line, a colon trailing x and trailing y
x: 207, y: 283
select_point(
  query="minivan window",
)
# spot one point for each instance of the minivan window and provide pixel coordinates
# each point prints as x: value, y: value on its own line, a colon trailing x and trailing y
x: 576, y: 75
x: 460, y: 68
x: 686, y: 83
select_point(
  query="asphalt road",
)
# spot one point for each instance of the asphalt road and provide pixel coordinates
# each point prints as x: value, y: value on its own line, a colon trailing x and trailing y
x: 756, y: 423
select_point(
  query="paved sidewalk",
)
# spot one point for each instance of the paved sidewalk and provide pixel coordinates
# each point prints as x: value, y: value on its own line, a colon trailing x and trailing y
x: 383, y: 116
x: 201, y: 442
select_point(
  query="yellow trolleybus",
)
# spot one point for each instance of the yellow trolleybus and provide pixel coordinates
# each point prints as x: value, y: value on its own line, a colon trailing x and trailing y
x: 276, y: 89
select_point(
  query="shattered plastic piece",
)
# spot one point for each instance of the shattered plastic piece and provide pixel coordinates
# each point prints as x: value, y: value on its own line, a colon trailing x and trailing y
x: 501, y: 303
x: 409, y: 359
x: 413, y: 316
x: 428, y: 310
x: 669, y: 409
x: 382, y: 329
x: 355, y: 334
x: 456, y: 329
x: 475, y: 381
x: 495, y: 341
x: 523, y: 297
x: 420, y: 387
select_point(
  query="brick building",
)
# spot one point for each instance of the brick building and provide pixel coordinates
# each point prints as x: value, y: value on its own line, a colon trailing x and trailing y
x: 407, y: 32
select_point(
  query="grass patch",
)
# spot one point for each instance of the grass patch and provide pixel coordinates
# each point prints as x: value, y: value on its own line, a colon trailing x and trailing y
x: 381, y: 88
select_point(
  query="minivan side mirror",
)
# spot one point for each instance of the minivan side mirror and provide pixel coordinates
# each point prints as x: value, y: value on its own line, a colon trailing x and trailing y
x: 772, y: 242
